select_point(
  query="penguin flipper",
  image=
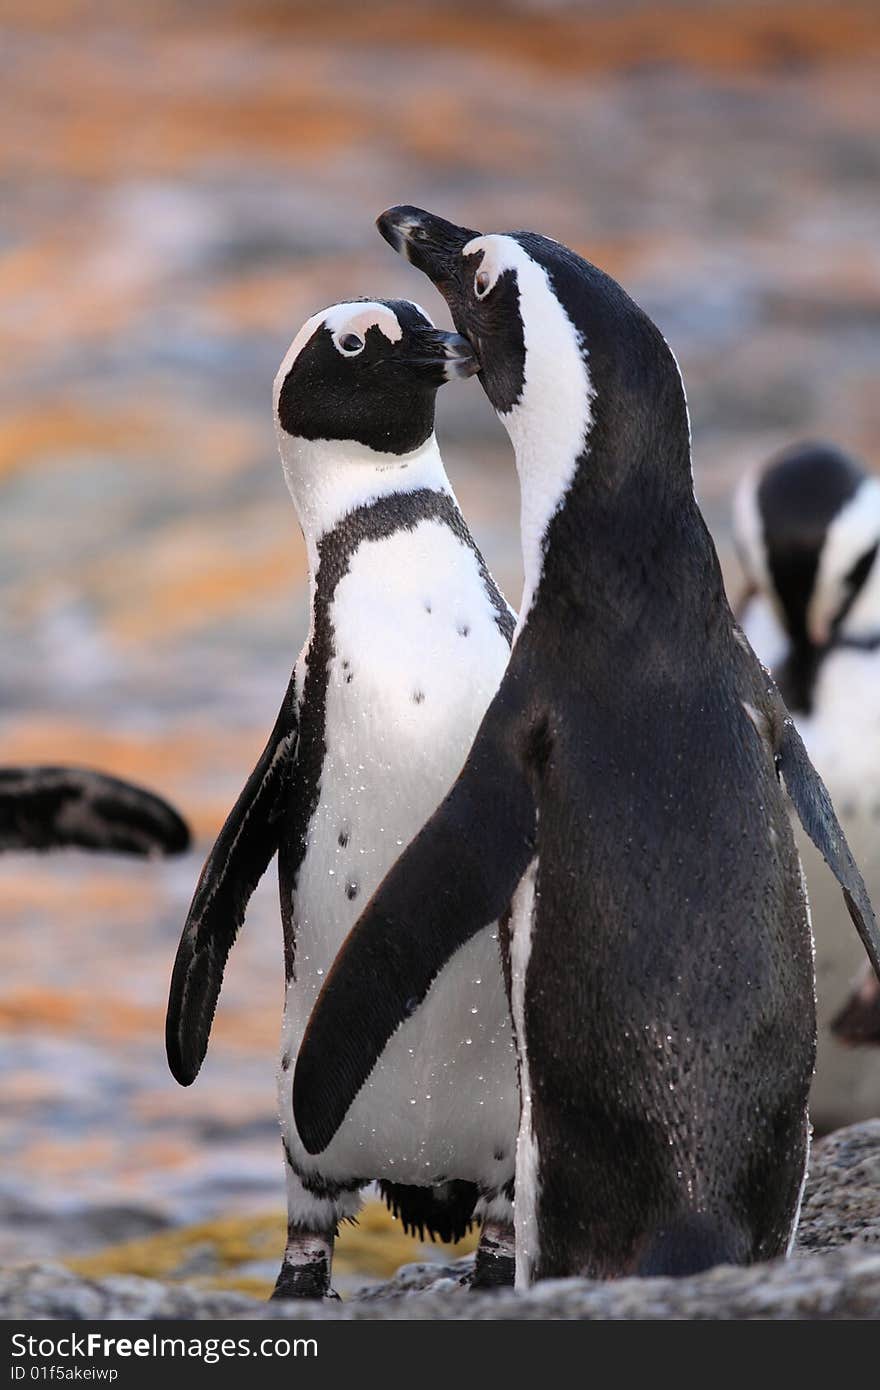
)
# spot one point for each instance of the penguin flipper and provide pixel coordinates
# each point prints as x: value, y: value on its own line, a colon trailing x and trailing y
x: 58, y: 807
x: 241, y: 854
x: 810, y: 799
x: 456, y: 877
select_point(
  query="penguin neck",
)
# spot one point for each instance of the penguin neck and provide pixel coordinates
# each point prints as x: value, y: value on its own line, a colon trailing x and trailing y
x: 600, y: 494
x: 545, y: 474
x: 329, y: 478
x: 602, y: 443
x: 548, y: 427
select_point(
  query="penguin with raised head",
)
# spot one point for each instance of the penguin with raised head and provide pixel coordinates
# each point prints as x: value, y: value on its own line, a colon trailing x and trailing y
x: 73, y: 807
x: 626, y: 790
x: 807, y: 528
x: 408, y: 640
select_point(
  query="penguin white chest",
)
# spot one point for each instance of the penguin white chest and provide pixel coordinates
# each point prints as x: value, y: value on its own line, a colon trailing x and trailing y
x: 417, y: 657
x: 765, y: 632
x: 843, y: 732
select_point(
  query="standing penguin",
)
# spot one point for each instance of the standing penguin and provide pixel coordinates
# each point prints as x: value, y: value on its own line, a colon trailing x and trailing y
x: 408, y: 641
x: 63, y: 807
x: 807, y: 527
x: 624, y: 788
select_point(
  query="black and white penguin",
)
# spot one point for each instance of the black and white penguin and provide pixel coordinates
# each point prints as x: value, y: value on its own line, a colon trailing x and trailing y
x: 807, y: 527
x: 625, y: 791
x: 62, y: 807
x: 408, y: 641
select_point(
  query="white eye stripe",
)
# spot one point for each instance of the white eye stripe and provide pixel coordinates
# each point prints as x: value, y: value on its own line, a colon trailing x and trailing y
x: 497, y: 253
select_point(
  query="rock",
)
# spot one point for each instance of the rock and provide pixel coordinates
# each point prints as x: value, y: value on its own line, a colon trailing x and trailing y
x: 241, y: 1252
x: 834, y: 1274
x: 424, y: 1277
x: 46, y: 1229
x: 842, y: 1284
x: 47, y: 1291
x: 842, y: 1197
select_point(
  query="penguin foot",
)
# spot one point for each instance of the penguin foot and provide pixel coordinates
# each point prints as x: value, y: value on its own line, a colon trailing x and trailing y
x: 494, y: 1266
x: 305, y: 1269
x: 304, y: 1282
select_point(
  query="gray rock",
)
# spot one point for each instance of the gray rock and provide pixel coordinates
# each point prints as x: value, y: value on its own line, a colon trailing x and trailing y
x: 834, y: 1274
x: 842, y: 1197
x: 45, y: 1291
x: 77, y: 1229
x: 841, y: 1284
x: 428, y: 1277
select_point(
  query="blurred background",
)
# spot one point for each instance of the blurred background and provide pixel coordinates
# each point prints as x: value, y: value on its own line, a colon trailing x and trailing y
x: 181, y: 185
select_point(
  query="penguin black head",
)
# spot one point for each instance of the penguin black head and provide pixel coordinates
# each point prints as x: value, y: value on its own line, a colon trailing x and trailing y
x: 562, y: 347
x: 368, y: 371
x: 807, y: 527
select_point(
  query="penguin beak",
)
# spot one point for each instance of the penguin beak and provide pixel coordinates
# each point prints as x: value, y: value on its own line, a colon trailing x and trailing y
x: 443, y: 356
x: 429, y: 243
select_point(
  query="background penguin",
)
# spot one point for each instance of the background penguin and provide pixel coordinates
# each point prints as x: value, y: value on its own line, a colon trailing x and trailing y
x: 59, y: 807
x: 408, y: 641
x: 625, y: 786
x: 807, y: 527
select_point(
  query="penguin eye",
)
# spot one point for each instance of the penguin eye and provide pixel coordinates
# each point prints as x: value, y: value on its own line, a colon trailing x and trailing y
x: 351, y: 343
x: 482, y: 283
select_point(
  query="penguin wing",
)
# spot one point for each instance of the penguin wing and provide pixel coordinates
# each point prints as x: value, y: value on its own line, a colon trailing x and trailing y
x: 240, y: 857
x: 457, y: 876
x: 55, y: 807
x: 810, y: 799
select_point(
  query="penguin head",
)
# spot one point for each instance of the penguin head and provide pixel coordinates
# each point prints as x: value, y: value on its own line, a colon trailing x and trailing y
x: 807, y: 529
x: 368, y: 372
x: 563, y: 350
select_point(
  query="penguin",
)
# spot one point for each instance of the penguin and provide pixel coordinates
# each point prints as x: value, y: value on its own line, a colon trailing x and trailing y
x: 46, y: 808
x: 625, y: 793
x: 408, y: 640
x: 807, y: 530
